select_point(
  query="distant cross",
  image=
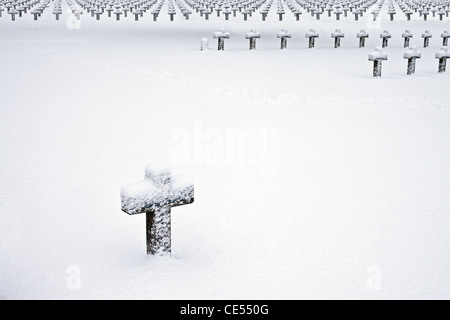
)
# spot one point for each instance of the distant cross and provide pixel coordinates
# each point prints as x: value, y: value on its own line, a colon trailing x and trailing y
x: 155, y: 196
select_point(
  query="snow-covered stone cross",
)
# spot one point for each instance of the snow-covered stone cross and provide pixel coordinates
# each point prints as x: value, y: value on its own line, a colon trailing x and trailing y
x: 443, y: 54
x: 377, y: 57
x: 155, y: 196
x: 252, y: 36
x: 412, y: 54
x: 362, y: 35
x: 391, y: 13
x: 283, y: 35
x: 408, y: 14
x: 13, y: 12
x: 337, y: 35
x: 445, y: 37
x: 221, y: 35
x: 311, y: 35
x: 426, y: 38
x: 407, y: 36
x: 338, y: 13
x: 385, y: 35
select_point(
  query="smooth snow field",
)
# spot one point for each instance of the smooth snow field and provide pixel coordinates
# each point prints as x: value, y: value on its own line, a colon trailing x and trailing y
x: 313, y: 179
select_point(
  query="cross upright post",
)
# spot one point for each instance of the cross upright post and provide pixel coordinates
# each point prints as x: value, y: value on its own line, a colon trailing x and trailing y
x: 155, y: 196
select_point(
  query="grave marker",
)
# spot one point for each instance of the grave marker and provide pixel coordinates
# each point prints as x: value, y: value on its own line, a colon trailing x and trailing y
x: 155, y: 196
x: 412, y: 54
x: 377, y: 56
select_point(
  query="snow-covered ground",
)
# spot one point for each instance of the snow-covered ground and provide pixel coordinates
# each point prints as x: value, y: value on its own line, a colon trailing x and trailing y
x: 312, y: 178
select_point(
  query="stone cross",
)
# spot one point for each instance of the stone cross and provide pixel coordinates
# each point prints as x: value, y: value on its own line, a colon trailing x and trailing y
x: 445, y: 37
x: 117, y: 12
x: 375, y: 14
x: 264, y: 14
x: 155, y: 14
x: 412, y: 54
x: 338, y: 13
x: 98, y: 13
x: 407, y: 36
x: 329, y: 10
x: 280, y: 13
x: 171, y: 13
x: 391, y: 13
x: 226, y: 13
x: 312, y: 35
x: 221, y: 35
x: 207, y: 13
x: 408, y: 15
x: 155, y: 196
x: 337, y: 35
x: 283, y: 35
x: 35, y: 13
x: 109, y: 10
x: 426, y: 38
x: 377, y: 57
x: 252, y: 36
x: 13, y: 12
x: 57, y: 13
x: 245, y: 13
x: 385, y: 35
x: 443, y: 54
x: 362, y: 35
